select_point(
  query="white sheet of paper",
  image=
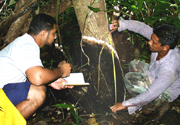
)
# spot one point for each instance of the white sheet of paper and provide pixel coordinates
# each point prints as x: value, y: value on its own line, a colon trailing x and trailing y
x: 75, y: 79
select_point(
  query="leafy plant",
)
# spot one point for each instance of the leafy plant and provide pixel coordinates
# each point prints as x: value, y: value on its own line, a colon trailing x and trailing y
x: 72, y: 110
x: 151, y: 12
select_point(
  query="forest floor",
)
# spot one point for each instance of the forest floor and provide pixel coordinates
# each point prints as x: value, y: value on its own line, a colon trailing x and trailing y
x: 49, y: 114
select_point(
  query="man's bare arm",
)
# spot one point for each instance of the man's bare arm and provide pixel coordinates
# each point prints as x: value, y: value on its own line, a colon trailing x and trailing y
x: 39, y: 76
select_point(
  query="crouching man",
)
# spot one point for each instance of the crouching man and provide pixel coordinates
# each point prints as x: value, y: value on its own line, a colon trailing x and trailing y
x: 22, y: 75
x: 152, y: 86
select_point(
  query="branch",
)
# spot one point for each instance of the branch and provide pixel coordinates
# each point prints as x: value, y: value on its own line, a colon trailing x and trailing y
x: 5, y: 24
x: 3, y: 5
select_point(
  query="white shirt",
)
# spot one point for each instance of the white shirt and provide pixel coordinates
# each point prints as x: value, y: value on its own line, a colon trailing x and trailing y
x: 20, y: 55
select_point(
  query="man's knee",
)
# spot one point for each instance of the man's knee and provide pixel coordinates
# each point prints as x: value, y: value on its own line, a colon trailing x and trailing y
x: 37, y: 93
x: 42, y: 92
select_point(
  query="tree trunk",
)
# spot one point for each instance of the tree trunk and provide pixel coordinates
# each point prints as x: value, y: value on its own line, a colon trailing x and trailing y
x: 11, y: 26
x: 97, y: 48
x: 5, y: 24
x: 15, y: 27
x: 50, y: 8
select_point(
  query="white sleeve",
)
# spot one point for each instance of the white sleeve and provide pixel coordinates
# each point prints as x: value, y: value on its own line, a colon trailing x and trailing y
x: 28, y: 56
x: 136, y: 26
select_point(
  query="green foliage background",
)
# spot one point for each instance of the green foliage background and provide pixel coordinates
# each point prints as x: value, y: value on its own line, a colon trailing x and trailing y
x: 151, y: 12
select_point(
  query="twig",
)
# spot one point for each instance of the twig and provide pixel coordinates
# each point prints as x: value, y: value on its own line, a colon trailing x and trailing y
x: 3, y: 6
x: 142, y: 14
x: 58, y: 40
x: 62, y: 113
x: 53, y: 95
x: 99, y: 67
x: 68, y: 116
x: 84, y: 52
x: 82, y: 66
x: 77, y: 102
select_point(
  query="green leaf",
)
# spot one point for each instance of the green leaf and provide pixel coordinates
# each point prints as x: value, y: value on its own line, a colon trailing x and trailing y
x: 64, y: 106
x: 112, y: 10
x: 140, y: 3
x: 75, y: 115
x: 94, y: 9
x: 177, y: 1
x: 162, y: 6
x: 174, y: 5
x: 133, y: 6
x: 72, y: 110
x: 158, y: 1
x: 165, y: 1
x: 161, y: 12
x: 12, y: 2
x: 152, y: 19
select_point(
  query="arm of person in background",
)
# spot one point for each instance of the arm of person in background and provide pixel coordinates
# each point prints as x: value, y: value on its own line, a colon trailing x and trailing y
x: 134, y: 26
x: 39, y: 76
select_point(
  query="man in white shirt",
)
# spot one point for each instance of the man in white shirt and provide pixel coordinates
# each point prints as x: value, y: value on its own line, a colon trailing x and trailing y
x: 22, y: 75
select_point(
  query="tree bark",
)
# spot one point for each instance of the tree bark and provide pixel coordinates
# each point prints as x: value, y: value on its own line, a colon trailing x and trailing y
x: 50, y: 8
x: 97, y: 47
x: 93, y: 24
x: 15, y: 27
x: 5, y: 24
x: 11, y: 26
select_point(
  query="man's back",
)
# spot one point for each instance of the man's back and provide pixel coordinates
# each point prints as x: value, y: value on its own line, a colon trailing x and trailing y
x: 16, y: 58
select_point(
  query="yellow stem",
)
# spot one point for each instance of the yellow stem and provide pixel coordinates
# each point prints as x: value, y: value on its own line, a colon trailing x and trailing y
x: 114, y: 70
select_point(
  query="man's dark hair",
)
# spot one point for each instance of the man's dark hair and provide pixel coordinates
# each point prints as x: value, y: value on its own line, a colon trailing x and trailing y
x: 167, y: 34
x: 41, y: 22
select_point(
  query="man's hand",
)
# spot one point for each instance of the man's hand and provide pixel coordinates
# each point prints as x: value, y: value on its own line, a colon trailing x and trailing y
x: 117, y: 106
x: 115, y: 24
x: 58, y: 84
x: 65, y: 68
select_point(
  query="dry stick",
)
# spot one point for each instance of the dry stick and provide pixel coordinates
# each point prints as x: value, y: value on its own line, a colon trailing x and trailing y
x: 142, y: 14
x: 68, y: 117
x: 59, y: 35
x: 84, y: 54
x: 3, y: 5
x: 53, y: 95
x: 62, y: 113
x: 82, y: 45
x: 57, y: 25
